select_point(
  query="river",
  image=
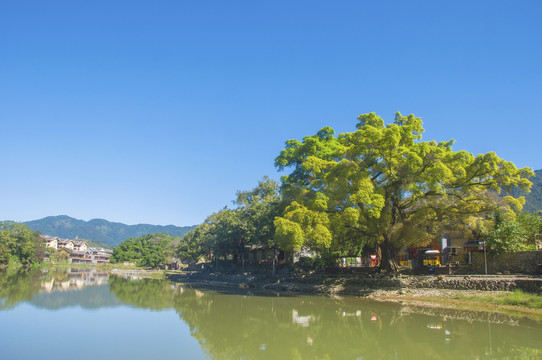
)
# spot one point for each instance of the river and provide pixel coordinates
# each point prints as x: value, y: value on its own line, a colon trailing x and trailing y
x: 87, y: 314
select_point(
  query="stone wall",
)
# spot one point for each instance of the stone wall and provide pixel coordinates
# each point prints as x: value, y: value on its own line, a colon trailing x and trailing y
x: 524, y: 262
x: 485, y: 283
x: 474, y: 282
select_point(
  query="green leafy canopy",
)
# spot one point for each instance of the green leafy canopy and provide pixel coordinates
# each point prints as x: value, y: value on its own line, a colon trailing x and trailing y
x: 382, y: 184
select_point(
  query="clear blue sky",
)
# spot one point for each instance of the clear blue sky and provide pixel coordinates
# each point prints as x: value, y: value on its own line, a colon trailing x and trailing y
x: 158, y: 111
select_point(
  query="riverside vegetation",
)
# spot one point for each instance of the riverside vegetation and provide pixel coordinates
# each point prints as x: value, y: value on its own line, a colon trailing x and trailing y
x: 19, y: 245
x: 379, y: 187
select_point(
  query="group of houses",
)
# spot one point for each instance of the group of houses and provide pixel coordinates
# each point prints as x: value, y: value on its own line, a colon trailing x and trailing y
x: 447, y: 253
x: 453, y: 248
x: 78, y: 251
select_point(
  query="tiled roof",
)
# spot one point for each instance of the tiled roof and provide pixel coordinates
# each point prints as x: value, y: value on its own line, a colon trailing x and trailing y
x: 78, y: 252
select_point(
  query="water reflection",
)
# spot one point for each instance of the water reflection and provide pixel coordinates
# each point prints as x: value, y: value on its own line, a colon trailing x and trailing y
x: 63, y: 280
x: 254, y: 325
x: 57, y: 288
x: 248, y: 326
x: 18, y: 287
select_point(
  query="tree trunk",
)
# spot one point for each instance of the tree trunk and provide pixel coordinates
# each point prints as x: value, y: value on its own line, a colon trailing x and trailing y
x: 389, y: 252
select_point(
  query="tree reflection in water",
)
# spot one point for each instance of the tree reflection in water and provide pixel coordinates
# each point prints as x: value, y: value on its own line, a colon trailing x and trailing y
x: 17, y: 287
x: 267, y: 326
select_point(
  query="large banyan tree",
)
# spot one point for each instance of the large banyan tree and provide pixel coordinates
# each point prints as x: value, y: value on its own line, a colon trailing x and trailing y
x: 381, y: 185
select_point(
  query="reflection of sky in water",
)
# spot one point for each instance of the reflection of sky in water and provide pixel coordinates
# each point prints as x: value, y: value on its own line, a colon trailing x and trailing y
x: 123, y: 332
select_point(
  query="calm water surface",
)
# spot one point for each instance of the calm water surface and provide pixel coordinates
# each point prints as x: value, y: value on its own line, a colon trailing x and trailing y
x: 84, y: 314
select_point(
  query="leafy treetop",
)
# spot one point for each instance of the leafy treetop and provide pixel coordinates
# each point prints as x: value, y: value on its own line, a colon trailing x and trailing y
x: 383, y: 185
x: 148, y: 250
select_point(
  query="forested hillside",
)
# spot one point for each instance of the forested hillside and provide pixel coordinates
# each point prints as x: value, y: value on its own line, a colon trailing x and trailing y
x: 533, y: 200
x: 111, y: 233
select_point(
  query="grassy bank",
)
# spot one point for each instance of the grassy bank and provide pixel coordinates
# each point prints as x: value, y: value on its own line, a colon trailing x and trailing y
x: 515, y: 298
x: 517, y: 303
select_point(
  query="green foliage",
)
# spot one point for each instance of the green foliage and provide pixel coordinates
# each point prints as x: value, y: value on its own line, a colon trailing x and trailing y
x: 19, y: 244
x: 228, y: 231
x: 194, y: 244
x: 320, y: 262
x: 301, y: 226
x: 148, y: 250
x: 257, y: 209
x: 381, y: 185
x: 512, y: 233
x: 289, y: 234
x: 515, y: 298
x: 59, y: 256
x: 533, y: 199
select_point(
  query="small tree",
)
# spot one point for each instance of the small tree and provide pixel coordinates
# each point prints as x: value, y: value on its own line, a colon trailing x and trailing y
x: 228, y: 231
x: 511, y: 232
x: 148, y: 250
x: 20, y: 243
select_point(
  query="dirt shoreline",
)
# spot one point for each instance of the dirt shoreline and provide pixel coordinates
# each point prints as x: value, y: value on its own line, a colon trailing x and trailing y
x: 363, y: 285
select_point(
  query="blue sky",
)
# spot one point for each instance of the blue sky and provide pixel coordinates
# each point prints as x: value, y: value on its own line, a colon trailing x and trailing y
x: 158, y: 111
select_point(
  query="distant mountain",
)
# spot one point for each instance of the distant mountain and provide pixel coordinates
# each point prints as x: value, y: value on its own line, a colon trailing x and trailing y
x: 533, y: 200
x: 111, y: 233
